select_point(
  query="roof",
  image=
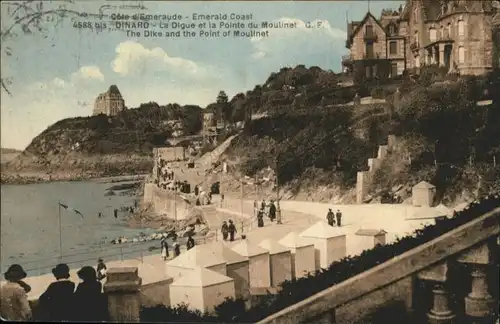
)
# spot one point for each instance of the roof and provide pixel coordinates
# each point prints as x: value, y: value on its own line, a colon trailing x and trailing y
x: 370, y: 232
x: 294, y: 240
x: 431, y: 9
x: 201, y: 277
x: 197, y: 257
x: 273, y: 247
x: 427, y: 213
x: 362, y: 23
x: 221, y: 250
x: 248, y: 250
x: 113, y: 89
x: 423, y: 185
x: 322, y: 230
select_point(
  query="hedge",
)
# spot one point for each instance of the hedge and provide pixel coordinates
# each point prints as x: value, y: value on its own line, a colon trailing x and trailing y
x: 299, y: 289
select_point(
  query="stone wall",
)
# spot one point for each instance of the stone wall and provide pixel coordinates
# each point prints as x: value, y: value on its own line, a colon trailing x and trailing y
x: 165, y: 201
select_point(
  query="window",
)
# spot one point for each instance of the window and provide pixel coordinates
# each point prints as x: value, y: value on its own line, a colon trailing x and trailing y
x: 394, y: 69
x: 417, y: 61
x: 442, y: 32
x: 369, y: 51
x: 369, y: 30
x: 368, y: 71
x: 393, y: 47
x: 433, y: 34
x: 449, y: 30
x: 415, y: 14
x: 461, y: 28
x: 416, y: 37
x: 392, y: 30
x: 461, y: 54
x: 374, y: 70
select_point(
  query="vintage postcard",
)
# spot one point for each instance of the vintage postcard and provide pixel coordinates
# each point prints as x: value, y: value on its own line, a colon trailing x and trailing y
x: 250, y: 162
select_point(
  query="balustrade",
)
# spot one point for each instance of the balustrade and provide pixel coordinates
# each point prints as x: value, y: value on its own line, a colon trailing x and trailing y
x: 444, y: 269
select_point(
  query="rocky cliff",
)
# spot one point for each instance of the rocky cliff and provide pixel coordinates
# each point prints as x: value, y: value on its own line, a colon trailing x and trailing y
x: 84, y: 147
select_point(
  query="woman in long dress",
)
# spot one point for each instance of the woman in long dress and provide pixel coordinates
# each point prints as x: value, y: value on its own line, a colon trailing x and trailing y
x: 164, y: 250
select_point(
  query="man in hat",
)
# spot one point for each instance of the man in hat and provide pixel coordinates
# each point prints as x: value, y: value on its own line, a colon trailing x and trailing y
x: 338, y: 215
x: 56, y: 302
x: 272, y: 211
x: 14, y: 305
x: 330, y: 217
x: 224, y: 230
x: 232, y: 230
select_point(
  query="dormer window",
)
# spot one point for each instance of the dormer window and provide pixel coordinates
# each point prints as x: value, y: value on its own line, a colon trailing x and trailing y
x: 369, y: 30
x: 415, y: 14
x: 392, y: 29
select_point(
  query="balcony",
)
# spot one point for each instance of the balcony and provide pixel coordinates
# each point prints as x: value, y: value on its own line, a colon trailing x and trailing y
x: 414, y: 46
x: 370, y: 37
x: 371, y: 56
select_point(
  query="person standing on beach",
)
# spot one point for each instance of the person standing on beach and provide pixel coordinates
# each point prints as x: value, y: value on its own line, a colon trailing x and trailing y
x: 190, y: 243
x: 177, y: 247
x: 164, y: 250
x: 232, y: 230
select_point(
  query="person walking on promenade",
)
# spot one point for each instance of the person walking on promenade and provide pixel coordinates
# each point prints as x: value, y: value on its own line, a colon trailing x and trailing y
x: 232, y: 230
x: 330, y: 217
x: 115, y: 213
x: 260, y: 218
x: 263, y: 204
x: 164, y: 250
x: 89, y: 303
x: 272, y: 211
x: 14, y: 305
x: 101, y: 269
x: 176, y: 246
x: 196, y: 191
x: 224, y: 230
x: 57, y: 301
x: 190, y: 243
x: 339, y: 218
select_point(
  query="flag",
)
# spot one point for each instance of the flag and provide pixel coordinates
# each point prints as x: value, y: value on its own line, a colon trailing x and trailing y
x: 76, y: 211
x: 66, y: 207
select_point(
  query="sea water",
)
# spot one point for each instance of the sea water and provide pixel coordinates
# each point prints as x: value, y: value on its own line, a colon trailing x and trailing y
x: 30, y: 225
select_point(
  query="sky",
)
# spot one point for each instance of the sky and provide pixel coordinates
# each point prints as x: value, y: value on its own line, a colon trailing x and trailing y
x: 57, y: 72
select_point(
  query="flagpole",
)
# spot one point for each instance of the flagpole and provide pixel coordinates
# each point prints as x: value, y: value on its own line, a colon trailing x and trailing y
x: 60, y: 230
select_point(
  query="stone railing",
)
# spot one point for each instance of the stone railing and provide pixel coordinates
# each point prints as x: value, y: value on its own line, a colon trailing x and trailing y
x: 431, y: 269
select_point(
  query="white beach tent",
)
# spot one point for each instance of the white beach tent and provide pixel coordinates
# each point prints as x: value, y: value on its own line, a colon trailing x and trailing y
x: 202, y: 289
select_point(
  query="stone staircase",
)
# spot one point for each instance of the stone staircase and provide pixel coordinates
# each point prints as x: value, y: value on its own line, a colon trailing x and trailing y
x: 364, y: 178
x: 208, y: 158
x: 451, y: 279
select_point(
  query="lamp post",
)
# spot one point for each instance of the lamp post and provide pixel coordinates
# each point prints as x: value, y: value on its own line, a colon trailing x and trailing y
x: 278, y: 209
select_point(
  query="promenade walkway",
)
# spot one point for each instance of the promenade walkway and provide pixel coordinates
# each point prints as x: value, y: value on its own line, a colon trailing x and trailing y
x: 296, y: 217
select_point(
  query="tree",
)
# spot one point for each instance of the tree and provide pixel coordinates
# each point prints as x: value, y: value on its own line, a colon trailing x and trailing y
x: 225, y: 109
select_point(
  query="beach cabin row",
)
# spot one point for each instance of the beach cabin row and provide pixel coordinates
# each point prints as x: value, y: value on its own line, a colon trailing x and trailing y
x: 206, y: 275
